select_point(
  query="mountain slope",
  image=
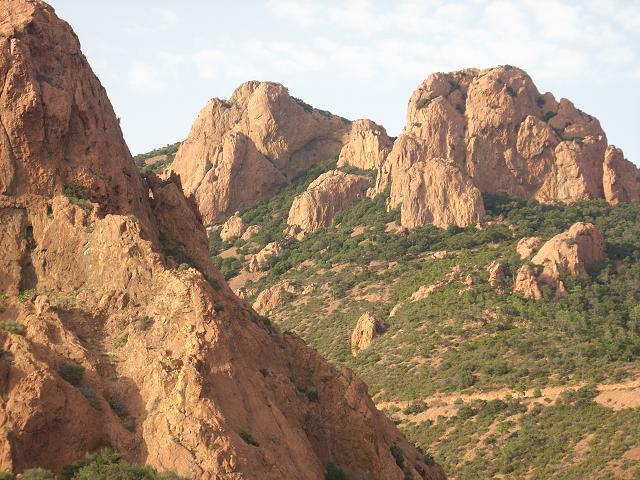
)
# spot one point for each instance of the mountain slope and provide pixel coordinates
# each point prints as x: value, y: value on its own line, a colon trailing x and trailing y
x: 116, y: 329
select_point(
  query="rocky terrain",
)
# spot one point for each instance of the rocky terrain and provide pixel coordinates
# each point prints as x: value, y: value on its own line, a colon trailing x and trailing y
x: 116, y: 330
x: 244, y: 149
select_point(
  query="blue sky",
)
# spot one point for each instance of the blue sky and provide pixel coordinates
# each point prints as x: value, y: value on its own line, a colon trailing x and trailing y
x: 161, y: 60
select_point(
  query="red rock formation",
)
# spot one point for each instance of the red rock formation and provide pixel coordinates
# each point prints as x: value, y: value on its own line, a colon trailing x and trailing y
x: 621, y: 179
x: 367, y: 147
x: 429, y: 190
x: 508, y: 138
x: 367, y: 329
x: 526, y: 283
x: 329, y: 194
x: 233, y: 227
x: 260, y: 137
x: 170, y: 367
x: 568, y: 253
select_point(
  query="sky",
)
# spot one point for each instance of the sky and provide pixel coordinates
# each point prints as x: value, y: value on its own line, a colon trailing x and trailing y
x: 162, y: 60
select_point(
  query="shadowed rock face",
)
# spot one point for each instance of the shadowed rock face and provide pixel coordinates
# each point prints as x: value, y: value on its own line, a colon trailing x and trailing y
x: 176, y: 368
x: 508, y: 138
x: 244, y: 149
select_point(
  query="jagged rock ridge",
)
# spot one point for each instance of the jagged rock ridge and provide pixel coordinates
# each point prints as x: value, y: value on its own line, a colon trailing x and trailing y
x: 244, y: 149
x: 131, y: 339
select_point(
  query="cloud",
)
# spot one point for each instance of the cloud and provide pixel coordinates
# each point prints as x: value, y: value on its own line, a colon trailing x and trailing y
x: 144, y: 77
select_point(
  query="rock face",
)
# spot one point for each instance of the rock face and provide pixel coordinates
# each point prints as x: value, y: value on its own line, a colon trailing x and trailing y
x: 273, y: 297
x: 508, y: 138
x: 367, y: 329
x: 326, y: 196
x: 367, y: 147
x: 172, y: 347
x: 568, y: 253
x: 526, y: 283
x: 244, y: 149
x: 232, y: 228
x: 621, y: 178
x: 527, y: 245
x: 571, y: 252
x: 429, y: 190
x: 495, y: 272
x: 260, y: 259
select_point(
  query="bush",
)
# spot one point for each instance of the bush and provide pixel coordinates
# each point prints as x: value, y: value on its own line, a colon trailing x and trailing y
x: 248, y: 438
x: 27, y: 295
x: 107, y: 465
x: 398, y: 455
x: 37, y: 474
x: 72, y: 373
x: 13, y: 327
x: 7, y: 476
x: 334, y: 472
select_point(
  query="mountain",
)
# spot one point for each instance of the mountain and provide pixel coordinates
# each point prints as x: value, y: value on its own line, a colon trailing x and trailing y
x: 244, y: 149
x: 484, y: 281
x: 117, y: 331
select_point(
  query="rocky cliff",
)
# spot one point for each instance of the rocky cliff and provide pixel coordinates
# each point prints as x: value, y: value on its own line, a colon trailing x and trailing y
x: 507, y: 138
x: 243, y: 149
x: 367, y: 147
x: 117, y: 330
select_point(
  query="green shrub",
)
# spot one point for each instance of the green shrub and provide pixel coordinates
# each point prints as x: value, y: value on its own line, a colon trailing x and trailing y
x: 7, y: 476
x: 248, y: 438
x: 27, y: 295
x: 71, y: 372
x: 37, y: 474
x: 13, y: 327
x: 398, y: 455
x: 312, y: 394
x: 334, y: 472
x: 107, y: 465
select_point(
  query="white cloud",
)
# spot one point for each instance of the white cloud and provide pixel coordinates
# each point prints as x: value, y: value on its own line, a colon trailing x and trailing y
x: 144, y: 77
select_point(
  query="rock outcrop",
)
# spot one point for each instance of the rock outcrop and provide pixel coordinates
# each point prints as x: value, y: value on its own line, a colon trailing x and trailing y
x: 508, y: 138
x: 571, y: 252
x: 273, y: 297
x: 329, y: 194
x: 527, y: 245
x: 526, y: 283
x: 621, y: 180
x: 259, y: 260
x: 568, y: 253
x: 495, y: 273
x: 250, y: 231
x: 367, y: 147
x: 244, y: 149
x: 367, y: 329
x: 134, y: 341
x: 233, y: 227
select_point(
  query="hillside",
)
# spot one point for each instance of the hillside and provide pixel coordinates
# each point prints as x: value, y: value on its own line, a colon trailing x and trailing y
x: 116, y: 330
x: 487, y: 381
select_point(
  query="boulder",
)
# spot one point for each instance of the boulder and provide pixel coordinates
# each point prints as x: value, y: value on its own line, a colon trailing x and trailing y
x: 526, y: 283
x: 367, y: 329
x: 273, y: 297
x: 232, y: 228
x: 527, y: 245
x: 329, y: 194
x: 496, y: 273
x: 259, y: 260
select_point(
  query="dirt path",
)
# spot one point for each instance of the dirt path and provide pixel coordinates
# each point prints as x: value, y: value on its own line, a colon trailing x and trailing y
x: 612, y: 395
